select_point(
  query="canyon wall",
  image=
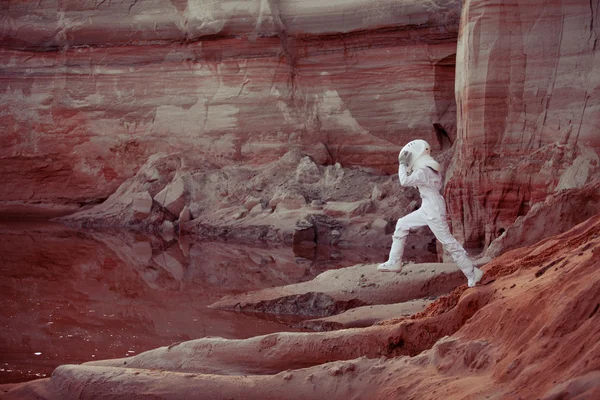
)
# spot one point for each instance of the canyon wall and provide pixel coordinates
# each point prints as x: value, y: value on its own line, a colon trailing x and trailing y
x: 527, y: 89
x: 89, y: 90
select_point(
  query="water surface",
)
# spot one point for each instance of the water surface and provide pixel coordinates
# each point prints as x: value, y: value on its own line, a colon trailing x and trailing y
x: 71, y: 296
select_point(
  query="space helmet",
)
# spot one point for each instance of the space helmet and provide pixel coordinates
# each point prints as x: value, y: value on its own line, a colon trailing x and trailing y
x: 420, y: 155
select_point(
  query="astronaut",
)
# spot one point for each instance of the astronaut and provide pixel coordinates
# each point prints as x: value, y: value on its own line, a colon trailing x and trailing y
x: 418, y: 168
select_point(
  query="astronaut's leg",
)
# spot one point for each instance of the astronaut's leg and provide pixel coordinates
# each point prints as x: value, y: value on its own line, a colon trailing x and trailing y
x: 415, y: 219
x: 440, y: 229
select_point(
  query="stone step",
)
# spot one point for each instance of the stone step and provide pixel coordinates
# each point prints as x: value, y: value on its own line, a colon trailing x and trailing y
x: 361, y: 317
x: 336, y: 291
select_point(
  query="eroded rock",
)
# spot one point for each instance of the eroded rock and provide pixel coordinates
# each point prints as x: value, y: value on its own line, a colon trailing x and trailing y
x: 307, y: 171
x: 172, y: 197
x: 343, y: 209
x: 518, y: 140
x: 366, y: 315
x: 141, y: 205
x: 286, y: 202
x: 559, y: 208
x: 185, y: 215
x: 215, y: 102
x: 338, y: 290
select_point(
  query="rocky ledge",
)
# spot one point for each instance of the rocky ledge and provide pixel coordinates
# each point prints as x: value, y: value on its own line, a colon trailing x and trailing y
x: 335, y: 291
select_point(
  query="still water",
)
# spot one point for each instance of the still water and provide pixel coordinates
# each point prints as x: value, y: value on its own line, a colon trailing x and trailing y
x: 71, y: 296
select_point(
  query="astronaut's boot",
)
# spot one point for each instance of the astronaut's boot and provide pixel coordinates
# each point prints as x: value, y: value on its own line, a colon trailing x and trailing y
x: 394, y: 262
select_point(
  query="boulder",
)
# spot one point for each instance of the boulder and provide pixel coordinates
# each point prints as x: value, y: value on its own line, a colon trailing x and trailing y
x: 251, y: 201
x: 167, y: 229
x: 307, y: 171
x: 377, y: 194
x: 344, y: 209
x: 185, y: 215
x: 172, y: 197
x: 304, y: 233
x: 287, y: 201
x: 382, y: 226
x: 319, y: 153
x: 141, y: 205
x: 256, y: 210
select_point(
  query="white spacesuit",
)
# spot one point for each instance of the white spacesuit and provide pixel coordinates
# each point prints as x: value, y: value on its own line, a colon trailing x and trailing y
x: 418, y: 168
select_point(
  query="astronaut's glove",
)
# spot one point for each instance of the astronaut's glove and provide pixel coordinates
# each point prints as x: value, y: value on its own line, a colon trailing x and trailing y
x: 404, y: 158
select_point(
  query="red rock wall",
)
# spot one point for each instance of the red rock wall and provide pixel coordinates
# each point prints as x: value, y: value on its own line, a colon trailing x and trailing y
x: 527, y: 95
x: 90, y: 89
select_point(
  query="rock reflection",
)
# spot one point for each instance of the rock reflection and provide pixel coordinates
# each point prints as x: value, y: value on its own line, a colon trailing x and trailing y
x: 70, y: 296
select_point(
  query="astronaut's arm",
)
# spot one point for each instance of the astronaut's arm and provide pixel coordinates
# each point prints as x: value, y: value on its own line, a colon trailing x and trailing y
x: 417, y: 177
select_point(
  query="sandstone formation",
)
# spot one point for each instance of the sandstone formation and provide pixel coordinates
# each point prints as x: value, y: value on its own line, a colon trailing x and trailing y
x: 559, y: 212
x: 338, y: 290
x: 528, y: 99
x: 530, y: 332
x: 264, y: 203
x: 91, y: 91
x: 365, y: 316
x: 244, y: 82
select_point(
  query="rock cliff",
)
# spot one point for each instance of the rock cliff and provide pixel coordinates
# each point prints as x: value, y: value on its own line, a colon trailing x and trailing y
x: 527, y: 98
x: 89, y: 91
x: 94, y: 91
